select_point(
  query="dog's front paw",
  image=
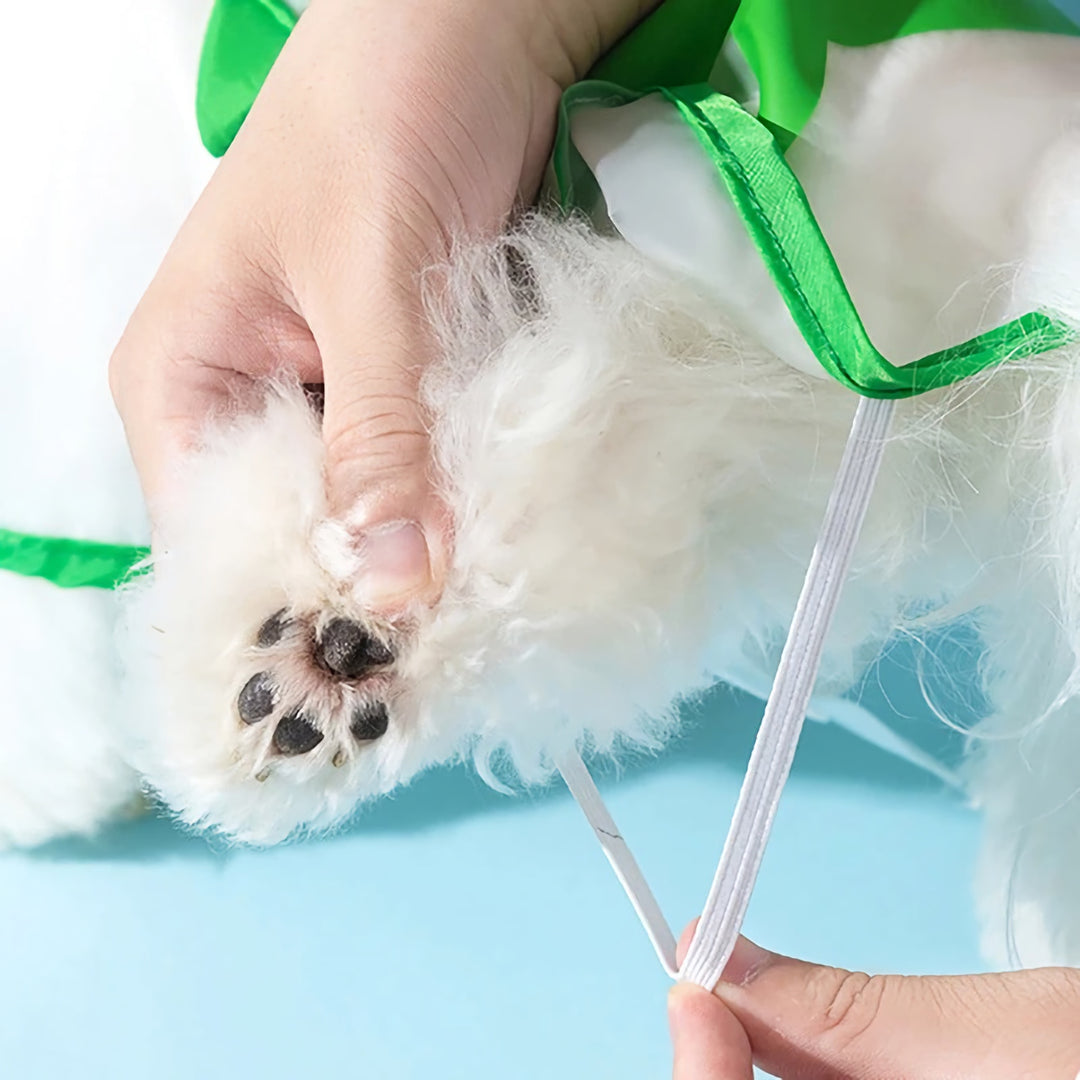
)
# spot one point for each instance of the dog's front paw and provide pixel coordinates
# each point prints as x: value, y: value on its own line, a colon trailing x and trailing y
x: 574, y: 417
x: 268, y: 700
x: 320, y: 687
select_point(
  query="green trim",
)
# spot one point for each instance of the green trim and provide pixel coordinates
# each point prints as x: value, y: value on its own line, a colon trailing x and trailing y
x: 782, y: 226
x: 70, y: 564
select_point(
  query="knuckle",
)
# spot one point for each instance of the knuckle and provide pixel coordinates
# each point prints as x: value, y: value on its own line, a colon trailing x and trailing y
x: 854, y: 1006
x: 133, y: 361
x: 130, y: 365
x: 381, y: 434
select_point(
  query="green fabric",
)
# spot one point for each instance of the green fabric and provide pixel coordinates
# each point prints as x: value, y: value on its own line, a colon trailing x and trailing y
x: 242, y: 42
x: 785, y: 41
x: 674, y: 46
x: 778, y: 219
x: 71, y: 564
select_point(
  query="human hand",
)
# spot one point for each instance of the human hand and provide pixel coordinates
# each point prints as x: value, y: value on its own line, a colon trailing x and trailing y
x: 384, y: 131
x: 805, y: 1022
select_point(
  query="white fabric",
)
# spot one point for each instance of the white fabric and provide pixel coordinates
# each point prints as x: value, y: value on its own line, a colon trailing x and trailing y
x: 663, y: 194
x: 108, y: 164
x: 920, y: 163
x: 622, y: 860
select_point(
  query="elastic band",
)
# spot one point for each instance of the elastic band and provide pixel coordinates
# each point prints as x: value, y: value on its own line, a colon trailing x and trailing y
x: 778, y: 736
x: 622, y: 860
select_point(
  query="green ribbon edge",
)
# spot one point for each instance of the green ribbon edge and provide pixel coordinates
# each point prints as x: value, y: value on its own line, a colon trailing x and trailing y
x: 70, y: 564
x: 778, y: 219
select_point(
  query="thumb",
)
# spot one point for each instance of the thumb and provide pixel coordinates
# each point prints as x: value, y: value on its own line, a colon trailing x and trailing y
x: 374, y: 346
x: 819, y: 1023
x: 709, y: 1043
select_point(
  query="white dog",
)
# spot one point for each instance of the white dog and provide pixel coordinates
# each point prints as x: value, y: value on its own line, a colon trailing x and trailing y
x: 637, y: 450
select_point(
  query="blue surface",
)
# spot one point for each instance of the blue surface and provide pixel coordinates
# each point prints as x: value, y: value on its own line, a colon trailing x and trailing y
x: 454, y: 932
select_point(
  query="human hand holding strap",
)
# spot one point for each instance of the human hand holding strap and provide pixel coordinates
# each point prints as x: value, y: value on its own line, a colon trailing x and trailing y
x: 809, y: 1022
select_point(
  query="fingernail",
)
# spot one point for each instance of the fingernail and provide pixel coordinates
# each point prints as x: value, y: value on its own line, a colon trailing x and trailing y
x: 394, y: 564
x: 747, y: 960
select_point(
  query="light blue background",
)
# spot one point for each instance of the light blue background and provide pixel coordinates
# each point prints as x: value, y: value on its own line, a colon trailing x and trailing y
x: 455, y: 933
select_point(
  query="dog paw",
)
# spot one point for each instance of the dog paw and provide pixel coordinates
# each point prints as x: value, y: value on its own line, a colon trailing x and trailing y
x: 264, y: 698
x: 574, y: 445
x: 314, y: 684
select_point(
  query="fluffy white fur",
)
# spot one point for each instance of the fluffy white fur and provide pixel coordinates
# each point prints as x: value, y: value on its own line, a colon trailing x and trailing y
x: 103, y: 162
x: 635, y: 484
x: 582, y: 449
x: 635, y: 491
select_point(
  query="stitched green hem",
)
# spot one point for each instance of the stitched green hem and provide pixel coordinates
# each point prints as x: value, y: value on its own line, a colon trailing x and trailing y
x: 779, y: 221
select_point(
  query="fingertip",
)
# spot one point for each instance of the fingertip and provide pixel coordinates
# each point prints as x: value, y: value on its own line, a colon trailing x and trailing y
x: 684, y: 998
x: 708, y: 1042
x: 687, y: 1008
x: 746, y: 960
x: 684, y: 941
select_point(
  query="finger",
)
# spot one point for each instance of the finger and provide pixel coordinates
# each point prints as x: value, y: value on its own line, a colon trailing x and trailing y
x: 212, y: 324
x: 819, y: 1022
x: 374, y: 343
x: 708, y: 1042
x: 170, y: 373
x: 684, y: 941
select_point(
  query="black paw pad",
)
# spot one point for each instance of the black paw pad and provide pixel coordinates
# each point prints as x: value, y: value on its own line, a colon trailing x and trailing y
x: 370, y: 721
x: 296, y: 734
x: 257, y: 699
x: 346, y: 649
x: 271, y: 631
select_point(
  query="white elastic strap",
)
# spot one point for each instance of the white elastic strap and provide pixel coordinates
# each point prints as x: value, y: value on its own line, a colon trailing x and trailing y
x: 778, y: 736
x: 622, y: 859
x: 782, y: 723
